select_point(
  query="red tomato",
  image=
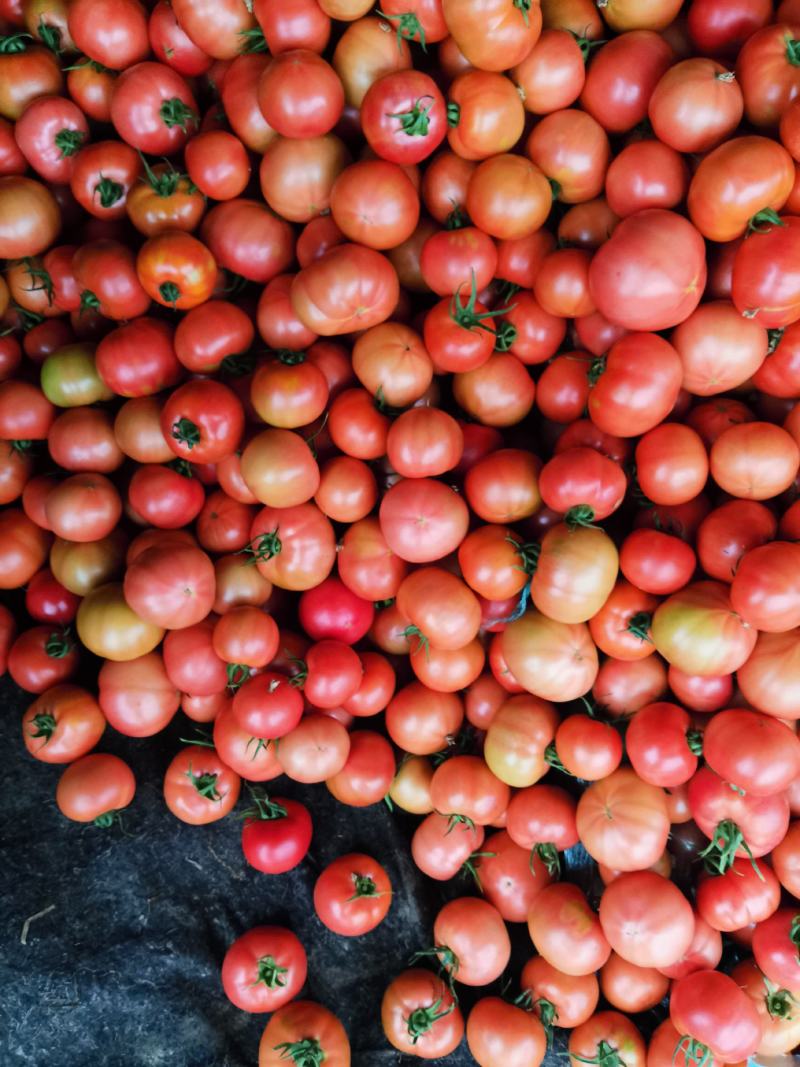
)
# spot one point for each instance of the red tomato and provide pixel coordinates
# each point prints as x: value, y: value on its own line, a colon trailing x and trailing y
x: 661, y: 745
x: 95, y: 789
x: 199, y: 788
x: 565, y: 930
x: 696, y: 104
x: 623, y: 821
x: 403, y: 117
x: 276, y: 835
x: 300, y: 95
x: 622, y: 76
x: 709, y: 1008
x: 137, y: 696
x: 646, y: 919
x: 352, y: 895
x: 500, y: 1034
x: 264, y: 969
x: 420, y: 1015
x: 350, y: 287
x: 62, y: 724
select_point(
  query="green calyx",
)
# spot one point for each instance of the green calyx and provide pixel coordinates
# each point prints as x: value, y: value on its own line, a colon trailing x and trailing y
x: 59, y: 644
x: 694, y: 739
x: 187, y: 432
x: 453, y: 114
x: 264, y: 809
x: 723, y: 848
x: 639, y: 625
x: 523, y: 6
x: 253, y: 40
x: 695, y: 1054
x: 41, y: 282
x: 363, y: 887
x: 174, y: 112
x: 68, y: 142
x: 416, y: 122
x: 170, y: 293
x: 505, y: 336
x: 50, y: 36
x: 264, y: 547
x: 304, y: 1053
x: 792, y: 50
x: 467, y: 317
x: 167, y: 181
x: 763, y: 221
x: 548, y: 854
x: 108, y: 191
x: 290, y: 357
x: 423, y: 641
x: 780, y: 1003
x: 89, y: 302
x: 596, y: 370
x: 422, y: 1020
x: 238, y: 674
x: 606, y: 1056
x: 408, y: 28
x: 447, y: 959
x: 270, y: 973
x: 45, y: 726
x: 580, y: 515
x: 205, y: 784
x: 14, y: 44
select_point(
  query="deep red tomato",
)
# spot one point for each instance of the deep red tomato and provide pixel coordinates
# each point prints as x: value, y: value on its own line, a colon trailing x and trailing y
x: 138, y: 358
x: 62, y: 724
x: 43, y: 657
x: 352, y: 895
x: 420, y: 1015
x: 171, y: 44
x: 199, y: 788
x: 565, y: 930
x: 709, y: 1008
x: 622, y: 76
x: 276, y: 835
x: 95, y: 789
x: 403, y: 117
x: 300, y: 95
x: 102, y: 176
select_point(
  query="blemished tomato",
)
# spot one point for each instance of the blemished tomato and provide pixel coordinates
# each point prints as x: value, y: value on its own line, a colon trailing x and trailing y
x: 276, y: 836
x: 566, y: 932
x: 264, y: 969
x: 352, y: 895
x: 299, y: 1025
x: 420, y: 1015
x: 553, y: 660
x: 95, y: 788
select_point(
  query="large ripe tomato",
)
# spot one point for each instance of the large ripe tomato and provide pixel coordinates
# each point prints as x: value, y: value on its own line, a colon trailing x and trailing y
x: 565, y: 930
x: 766, y: 69
x: 708, y: 1007
x: 245, y: 237
x: 503, y: 486
x: 315, y: 750
x: 775, y: 948
x: 165, y: 497
x: 62, y: 724
x: 26, y: 72
x: 754, y: 460
x: 646, y: 919
x: 49, y: 133
x: 764, y: 590
x: 82, y: 567
x: 630, y: 988
x: 153, y: 109
x: 633, y: 394
x: 572, y: 150
x: 190, y: 661
x: 300, y: 94
x: 211, y: 332
x: 766, y: 274
x: 485, y: 113
x: 198, y: 787
x: 645, y: 174
x: 607, y: 1034
x: 696, y: 104
x: 739, y: 897
x: 217, y: 164
x: 91, y: 86
x: 575, y: 571
x: 138, y: 358
x: 251, y: 757
x: 240, y: 104
x: 297, y: 176
x: 294, y: 547
x: 738, y: 825
x: 276, y: 835
x: 493, y: 34
x: 552, y: 660
x: 301, y: 1028
x: 420, y: 1015
x: 552, y: 74
x: 103, y: 175
x: 720, y: 26
x: 440, y: 847
x: 166, y: 200
x: 29, y: 217
x: 473, y: 941
x: 176, y: 270
x: 279, y: 469
x: 500, y: 1034
x: 661, y: 746
x: 84, y: 507
x: 171, y: 586
x: 296, y: 24
x: 510, y: 877
x: 623, y: 821
x: 698, y: 631
x: 622, y: 76
x: 352, y: 895
x: 420, y: 720
x: 671, y: 464
x: 621, y: 628
x: 42, y: 657
x: 350, y: 287
x: 106, y: 275
x: 47, y: 600
x: 415, y: 503
x: 636, y: 284
x: 171, y: 45
x: 403, y: 117
x: 202, y: 421
x: 464, y: 788
x: 736, y: 181
x: 777, y: 1009
x: 510, y: 197
x: 718, y: 348
x: 95, y: 789
x: 567, y: 1000
x: 264, y: 969
x: 137, y: 697
x: 442, y: 611
x: 216, y: 27
x: 112, y: 34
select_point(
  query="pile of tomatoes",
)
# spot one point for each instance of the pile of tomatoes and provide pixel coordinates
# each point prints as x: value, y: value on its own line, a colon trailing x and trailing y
x: 409, y: 398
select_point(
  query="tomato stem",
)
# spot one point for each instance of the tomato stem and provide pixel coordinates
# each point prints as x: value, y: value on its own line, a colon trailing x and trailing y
x: 166, y: 183
x: 22, y: 446
x: 524, y: 7
x: 639, y: 625
x: 69, y: 141
x: 466, y: 316
x: 457, y: 219
x: 774, y: 336
x: 414, y: 123
x: 548, y: 854
x: 453, y: 114
x: 45, y: 726
x: 265, y: 810
x: 468, y: 866
x: 108, y: 190
x: 108, y: 818
x: 253, y: 40
x: 606, y: 1056
x: 763, y: 221
x: 552, y: 758
x: 423, y: 641
x: 89, y: 302
x: 454, y: 820
x: 364, y: 887
x: 238, y: 365
x: 269, y: 971
x: 50, y: 36
x: 59, y: 644
x: 506, y: 336
x: 174, y: 112
x: 694, y: 1053
x: 586, y: 46
x: 792, y: 50
x: 725, y: 76
x: 794, y: 936
x: 304, y: 1053
x: 205, y: 784
x: 780, y: 1003
x: 264, y: 547
x: 14, y: 44
x: 408, y: 27
x: 38, y: 274
x: 721, y: 851
x: 187, y: 432
x: 548, y: 1016
x: 238, y: 674
x: 447, y: 959
x: 694, y: 739
x: 170, y: 293
x: 580, y: 515
x: 422, y: 1020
